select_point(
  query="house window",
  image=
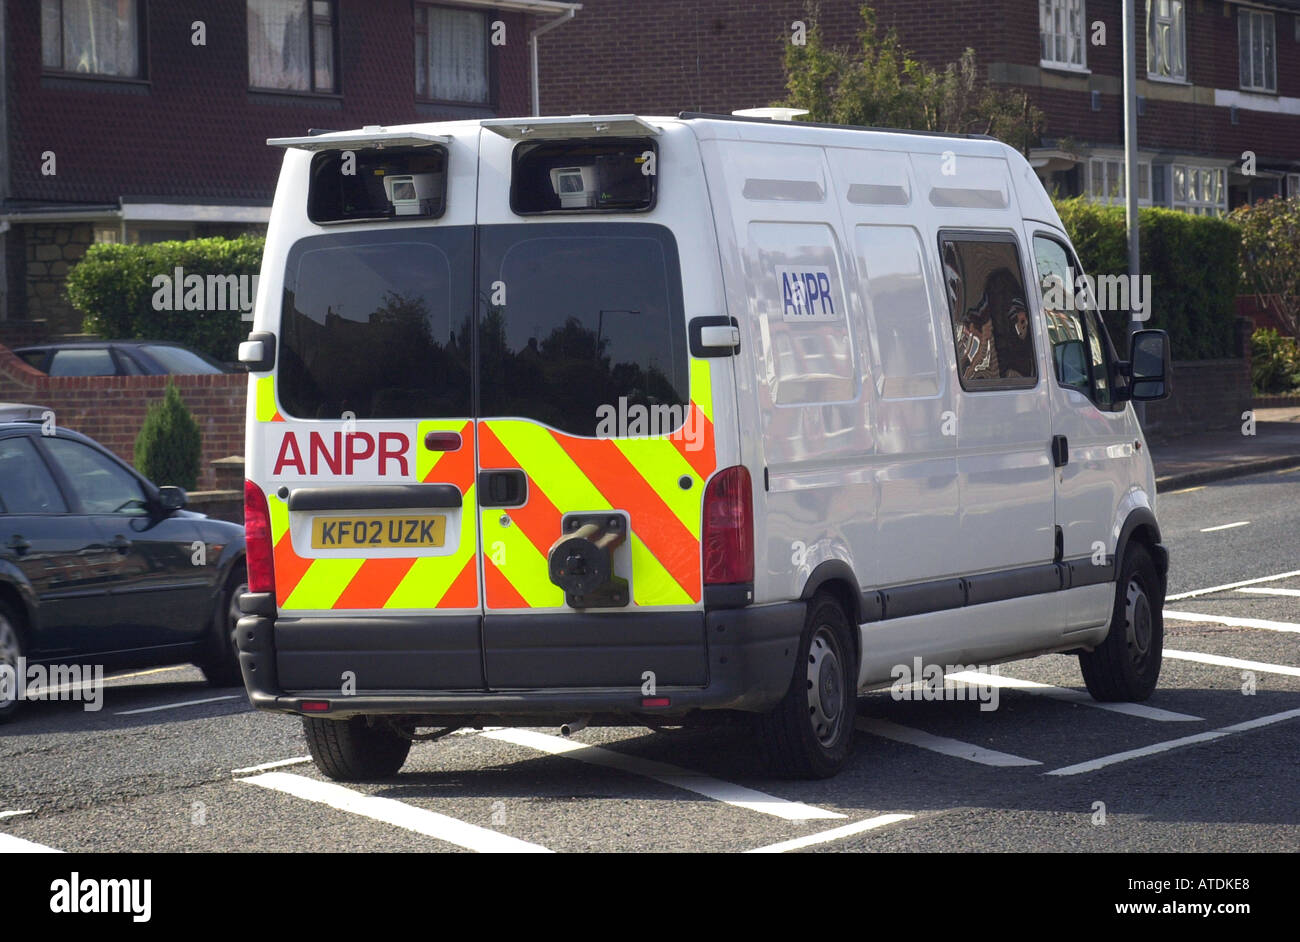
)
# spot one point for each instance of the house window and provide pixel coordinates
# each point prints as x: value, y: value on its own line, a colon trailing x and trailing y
x: 91, y: 37
x: 1199, y: 190
x: 451, y: 55
x: 1061, y: 29
x: 1293, y: 185
x: 1106, y: 180
x: 1166, y: 40
x: 291, y: 45
x: 1257, y: 50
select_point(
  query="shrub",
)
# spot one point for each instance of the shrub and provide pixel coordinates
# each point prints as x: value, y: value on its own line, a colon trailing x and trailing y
x: 113, y: 288
x: 1275, y: 362
x: 167, y: 450
x: 1270, y: 256
x: 1192, y: 261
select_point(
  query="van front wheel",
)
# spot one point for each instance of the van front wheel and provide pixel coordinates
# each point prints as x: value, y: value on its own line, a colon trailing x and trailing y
x: 355, y: 749
x: 809, y: 734
x: 1126, y: 666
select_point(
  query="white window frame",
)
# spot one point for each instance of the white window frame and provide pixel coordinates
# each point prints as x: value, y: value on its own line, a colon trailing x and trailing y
x: 1171, y: 15
x: 1193, y: 179
x: 422, y: 38
x: 1105, y: 172
x: 1293, y: 185
x: 1058, y: 46
x: 1246, y: 18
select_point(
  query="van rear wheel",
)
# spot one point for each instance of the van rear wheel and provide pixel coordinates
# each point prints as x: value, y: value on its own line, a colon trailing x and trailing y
x: 809, y: 734
x: 356, y: 749
x: 1126, y: 666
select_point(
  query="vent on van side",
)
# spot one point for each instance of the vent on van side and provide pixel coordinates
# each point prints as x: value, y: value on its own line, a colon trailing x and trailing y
x: 875, y: 194
x: 968, y: 198
x: 803, y: 191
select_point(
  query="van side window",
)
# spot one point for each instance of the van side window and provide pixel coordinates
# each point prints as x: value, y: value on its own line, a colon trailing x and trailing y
x: 1080, y: 353
x: 990, y: 318
x: 903, y: 339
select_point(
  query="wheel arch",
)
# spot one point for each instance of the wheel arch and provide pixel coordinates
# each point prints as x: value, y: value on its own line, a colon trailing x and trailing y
x: 835, y: 577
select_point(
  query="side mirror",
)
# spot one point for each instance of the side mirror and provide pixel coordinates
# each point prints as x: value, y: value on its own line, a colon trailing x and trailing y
x: 172, y: 499
x: 1149, y: 368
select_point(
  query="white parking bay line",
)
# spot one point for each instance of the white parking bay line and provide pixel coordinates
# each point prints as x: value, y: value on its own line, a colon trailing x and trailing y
x: 1093, y: 764
x: 1290, y: 592
x: 1233, y: 662
x: 1226, y: 526
x: 12, y: 814
x: 941, y: 744
x: 834, y: 834
x: 1231, y: 585
x: 16, y: 845
x: 265, y: 766
x: 705, y: 785
x: 173, y: 706
x: 1231, y: 621
x: 397, y: 813
x: 1072, y: 696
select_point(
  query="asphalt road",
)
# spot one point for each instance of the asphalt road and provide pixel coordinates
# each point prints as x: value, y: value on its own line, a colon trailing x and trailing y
x: 1212, y: 767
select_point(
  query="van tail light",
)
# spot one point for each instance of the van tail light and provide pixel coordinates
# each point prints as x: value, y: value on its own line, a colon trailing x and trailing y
x: 259, y: 552
x: 729, y: 527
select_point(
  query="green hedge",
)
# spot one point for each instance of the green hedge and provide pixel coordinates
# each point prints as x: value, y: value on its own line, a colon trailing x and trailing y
x: 113, y: 288
x: 1192, y: 261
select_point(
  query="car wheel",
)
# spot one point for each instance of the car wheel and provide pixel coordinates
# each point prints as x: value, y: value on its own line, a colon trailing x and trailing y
x: 809, y: 734
x: 11, y: 653
x: 1126, y: 666
x: 358, y: 749
x: 220, y: 661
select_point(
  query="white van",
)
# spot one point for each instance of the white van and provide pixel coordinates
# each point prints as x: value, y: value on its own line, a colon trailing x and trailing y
x: 624, y: 420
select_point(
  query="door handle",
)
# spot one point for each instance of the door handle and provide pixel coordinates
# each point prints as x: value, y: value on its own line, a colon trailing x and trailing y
x: 19, y: 544
x: 120, y: 543
x: 1060, y: 451
x: 505, y: 488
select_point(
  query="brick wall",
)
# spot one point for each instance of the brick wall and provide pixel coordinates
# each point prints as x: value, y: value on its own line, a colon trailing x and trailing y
x: 1207, y: 394
x: 193, y: 129
x: 111, y: 409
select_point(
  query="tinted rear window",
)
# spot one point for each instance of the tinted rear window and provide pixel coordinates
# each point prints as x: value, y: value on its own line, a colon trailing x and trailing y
x: 179, y: 360
x: 377, y: 324
x: 578, y: 316
x: 96, y: 361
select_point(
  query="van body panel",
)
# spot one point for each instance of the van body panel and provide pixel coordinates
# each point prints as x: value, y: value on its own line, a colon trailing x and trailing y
x: 900, y: 449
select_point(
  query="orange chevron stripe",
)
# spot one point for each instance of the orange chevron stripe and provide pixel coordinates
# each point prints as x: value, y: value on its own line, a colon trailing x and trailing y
x: 455, y: 467
x: 463, y: 593
x: 705, y: 458
x: 651, y: 519
x: 374, y: 583
x: 500, y: 593
x: 539, y: 519
x: 289, y: 568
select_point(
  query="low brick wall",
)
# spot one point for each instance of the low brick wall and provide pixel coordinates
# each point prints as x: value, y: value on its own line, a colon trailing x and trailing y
x: 1207, y: 394
x: 111, y: 409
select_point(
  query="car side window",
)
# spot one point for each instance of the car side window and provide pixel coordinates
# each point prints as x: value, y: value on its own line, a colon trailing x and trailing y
x: 26, y: 486
x: 1080, y: 355
x: 79, y: 361
x: 991, y: 328
x: 101, y: 484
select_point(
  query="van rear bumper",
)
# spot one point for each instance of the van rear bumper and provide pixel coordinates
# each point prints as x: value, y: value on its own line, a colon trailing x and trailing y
x: 740, y: 659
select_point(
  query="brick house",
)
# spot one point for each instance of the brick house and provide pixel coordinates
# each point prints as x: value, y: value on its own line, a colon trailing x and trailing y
x: 1215, y: 79
x: 145, y: 120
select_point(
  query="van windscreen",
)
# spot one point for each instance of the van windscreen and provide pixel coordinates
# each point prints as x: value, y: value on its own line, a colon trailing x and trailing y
x: 581, y: 321
x: 377, y: 324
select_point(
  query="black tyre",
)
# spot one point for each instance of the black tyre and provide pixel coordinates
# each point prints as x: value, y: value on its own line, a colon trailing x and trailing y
x: 1126, y: 666
x: 220, y: 659
x: 357, y: 749
x: 809, y: 734
x: 11, y: 650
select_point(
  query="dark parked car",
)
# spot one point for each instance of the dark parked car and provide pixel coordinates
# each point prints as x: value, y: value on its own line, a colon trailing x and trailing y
x: 100, y: 566
x: 117, y: 358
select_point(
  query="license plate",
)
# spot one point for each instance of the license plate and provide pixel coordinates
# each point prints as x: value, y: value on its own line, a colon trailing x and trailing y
x: 378, y: 532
